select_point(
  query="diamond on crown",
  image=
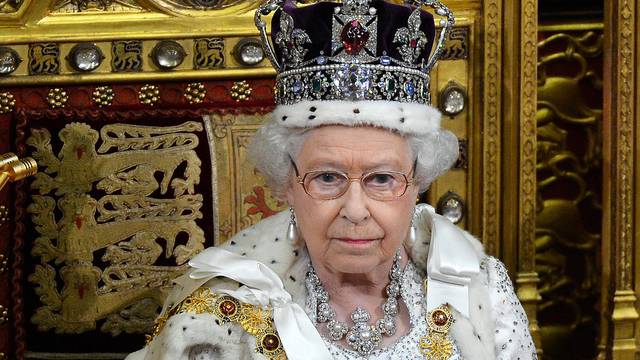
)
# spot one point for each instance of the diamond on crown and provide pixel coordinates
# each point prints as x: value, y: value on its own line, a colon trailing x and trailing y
x: 355, y: 7
x: 353, y: 82
x: 412, y: 40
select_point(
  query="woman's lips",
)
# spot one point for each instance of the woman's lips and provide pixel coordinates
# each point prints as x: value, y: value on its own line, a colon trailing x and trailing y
x: 352, y: 241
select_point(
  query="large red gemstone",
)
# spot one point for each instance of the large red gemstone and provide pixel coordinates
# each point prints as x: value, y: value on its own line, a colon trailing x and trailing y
x: 440, y: 318
x: 227, y: 307
x: 354, y: 37
x: 270, y: 342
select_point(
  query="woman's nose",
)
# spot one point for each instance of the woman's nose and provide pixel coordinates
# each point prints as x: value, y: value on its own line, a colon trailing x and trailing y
x: 355, y: 207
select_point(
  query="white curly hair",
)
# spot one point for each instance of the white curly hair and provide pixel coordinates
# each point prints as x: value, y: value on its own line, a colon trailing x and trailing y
x: 274, y: 145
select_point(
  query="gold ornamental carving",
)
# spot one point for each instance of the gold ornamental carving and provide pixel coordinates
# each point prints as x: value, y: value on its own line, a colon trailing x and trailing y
x: 102, y: 96
x: 7, y: 102
x: 208, y: 53
x: 528, y: 71
x: 149, y: 94
x: 621, y: 190
x: 568, y: 235
x: 196, y: 7
x: 10, y: 6
x: 195, y: 93
x: 73, y: 6
x: 241, y: 91
x: 44, y: 59
x: 527, y: 278
x: 127, y: 45
x: 142, y: 224
x: 57, y: 98
x: 201, y: 4
x: 126, y: 56
x: 4, y: 263
x: 491, y: 142
x: 625, y: 140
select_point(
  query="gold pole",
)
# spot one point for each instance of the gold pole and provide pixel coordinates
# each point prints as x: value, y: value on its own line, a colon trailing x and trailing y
x: 14, y: 169
x: 621, y: 94
x: 519, y: 74
x: 4, y: 179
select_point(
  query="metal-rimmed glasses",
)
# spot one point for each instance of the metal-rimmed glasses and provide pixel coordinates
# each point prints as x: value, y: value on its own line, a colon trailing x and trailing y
x: 332, y: 184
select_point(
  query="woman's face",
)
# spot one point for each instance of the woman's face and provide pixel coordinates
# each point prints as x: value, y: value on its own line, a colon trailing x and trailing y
x: 353, y: 233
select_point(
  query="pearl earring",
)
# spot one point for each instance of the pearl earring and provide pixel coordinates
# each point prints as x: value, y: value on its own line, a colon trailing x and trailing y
x: 412, y: 232
x: 292, y: 231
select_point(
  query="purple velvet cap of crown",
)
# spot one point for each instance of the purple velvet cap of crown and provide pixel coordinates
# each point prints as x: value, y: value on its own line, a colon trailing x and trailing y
x: 316, y: 21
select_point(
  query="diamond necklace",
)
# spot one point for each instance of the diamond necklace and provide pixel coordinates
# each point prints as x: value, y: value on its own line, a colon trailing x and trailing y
x: 362, y: 337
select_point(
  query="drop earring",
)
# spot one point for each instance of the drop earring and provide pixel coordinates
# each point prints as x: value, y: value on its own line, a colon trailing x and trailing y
x: 292, y: 231
x: 412, y: 232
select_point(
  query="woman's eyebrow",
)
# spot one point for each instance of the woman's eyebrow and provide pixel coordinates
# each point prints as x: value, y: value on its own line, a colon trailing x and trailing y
x: 387, y: 163
x: 326, y: 164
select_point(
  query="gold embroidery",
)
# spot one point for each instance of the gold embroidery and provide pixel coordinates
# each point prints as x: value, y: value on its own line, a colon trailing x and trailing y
x: 253, y: 319
x: 103, y: 256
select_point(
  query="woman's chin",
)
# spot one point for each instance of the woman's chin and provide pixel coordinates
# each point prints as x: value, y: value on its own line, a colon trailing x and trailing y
x: 354, y: 264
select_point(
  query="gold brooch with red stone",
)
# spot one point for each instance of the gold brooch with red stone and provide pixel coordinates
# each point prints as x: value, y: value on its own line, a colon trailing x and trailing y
x: 253, y: 319
x: 437, y: 345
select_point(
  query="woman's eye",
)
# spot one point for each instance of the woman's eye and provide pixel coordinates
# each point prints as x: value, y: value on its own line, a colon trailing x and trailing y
x: 380, y: 179
x: 328, y: 177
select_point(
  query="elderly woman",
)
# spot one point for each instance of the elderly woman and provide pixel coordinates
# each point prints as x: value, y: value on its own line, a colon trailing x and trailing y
x: 355, y: 270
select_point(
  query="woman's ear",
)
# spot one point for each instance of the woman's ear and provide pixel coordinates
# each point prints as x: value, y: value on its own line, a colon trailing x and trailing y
x: 289, y: 194
x: 414, y: 192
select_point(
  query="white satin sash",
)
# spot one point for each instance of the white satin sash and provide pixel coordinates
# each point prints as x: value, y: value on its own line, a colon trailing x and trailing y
x: 451, y: 264
x: 261, y: 287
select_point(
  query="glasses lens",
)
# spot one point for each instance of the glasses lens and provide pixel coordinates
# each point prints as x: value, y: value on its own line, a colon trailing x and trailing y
x: 384, y: 185
x: 325, y: 184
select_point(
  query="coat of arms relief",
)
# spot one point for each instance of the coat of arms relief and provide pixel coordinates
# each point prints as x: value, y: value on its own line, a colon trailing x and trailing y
x: 115, y: 211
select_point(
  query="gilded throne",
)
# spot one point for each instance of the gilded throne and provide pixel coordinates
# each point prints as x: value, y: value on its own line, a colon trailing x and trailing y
x: 139, y: 112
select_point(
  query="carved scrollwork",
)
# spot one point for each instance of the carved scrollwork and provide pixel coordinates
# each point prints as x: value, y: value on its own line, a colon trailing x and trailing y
x: 569, y: 165
x: 109, y: 254
x: 94, y: 5
x: 10, y: 6
x: 203, y: 4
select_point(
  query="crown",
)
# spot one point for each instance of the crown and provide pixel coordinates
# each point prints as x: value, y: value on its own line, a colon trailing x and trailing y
x: 354, y: 50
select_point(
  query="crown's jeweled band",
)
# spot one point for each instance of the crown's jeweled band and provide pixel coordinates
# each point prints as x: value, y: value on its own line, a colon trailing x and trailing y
x: 353, y: 82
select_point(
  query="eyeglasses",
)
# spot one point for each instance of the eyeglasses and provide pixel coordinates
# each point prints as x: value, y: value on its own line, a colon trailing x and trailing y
x: 332, y: 184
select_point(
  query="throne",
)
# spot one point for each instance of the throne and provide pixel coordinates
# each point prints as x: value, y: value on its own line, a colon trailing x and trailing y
x: 140, y: 133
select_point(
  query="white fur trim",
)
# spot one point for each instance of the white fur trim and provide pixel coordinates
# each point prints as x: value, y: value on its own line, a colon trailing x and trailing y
x: 266, y: 242
x: 407, y: 118
x: 469, y: 342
